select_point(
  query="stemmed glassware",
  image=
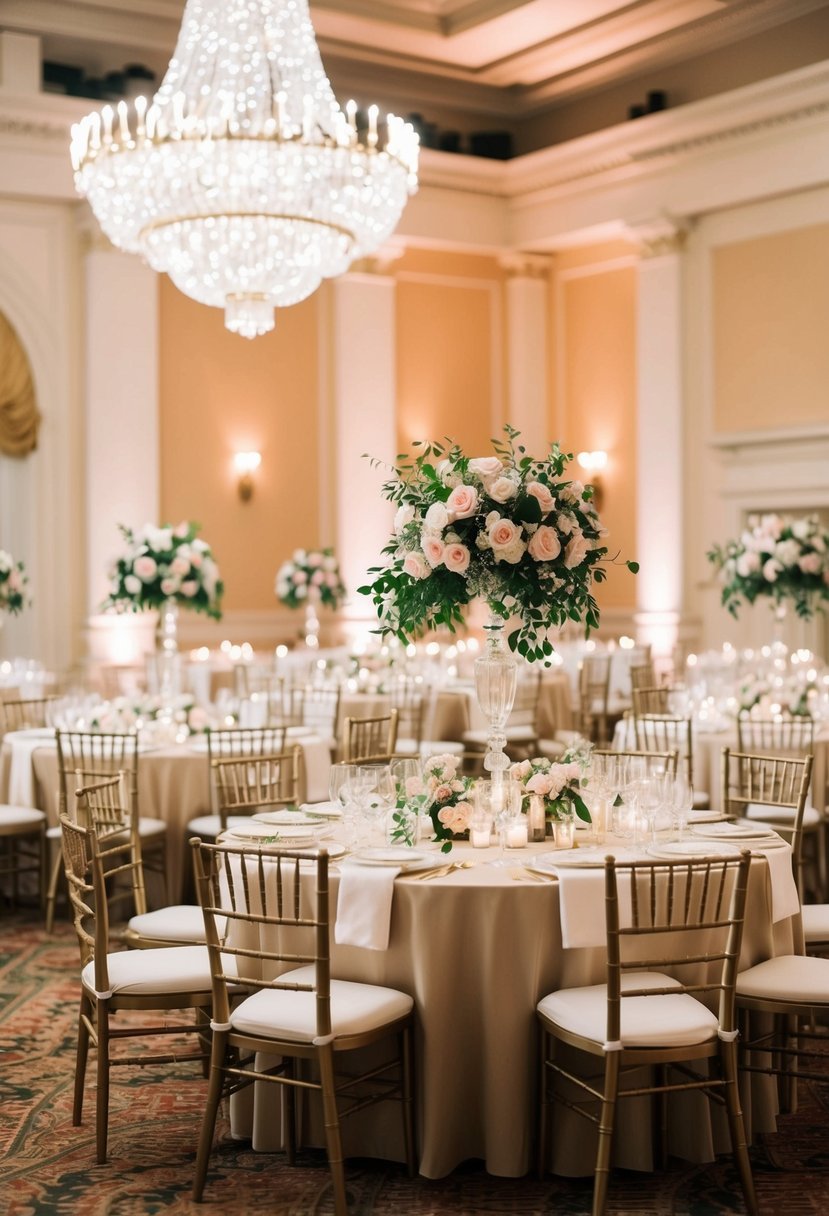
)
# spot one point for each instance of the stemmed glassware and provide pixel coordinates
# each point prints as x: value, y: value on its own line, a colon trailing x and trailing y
x: 342, y: 789
x: 502, y: 802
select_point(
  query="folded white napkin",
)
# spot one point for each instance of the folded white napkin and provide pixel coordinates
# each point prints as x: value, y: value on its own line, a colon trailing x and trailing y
x: 317, y: 755
x: 581, y: 904
x: 21, y: 775
x: 364, y: 906
x: 785, y: 901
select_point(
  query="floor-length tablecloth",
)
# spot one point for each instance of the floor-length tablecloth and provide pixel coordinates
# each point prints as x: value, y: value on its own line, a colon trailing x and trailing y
x: 477, y: 950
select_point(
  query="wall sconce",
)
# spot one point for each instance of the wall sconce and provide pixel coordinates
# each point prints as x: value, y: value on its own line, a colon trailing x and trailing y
x: 246, y: 464
x: 593, y: 463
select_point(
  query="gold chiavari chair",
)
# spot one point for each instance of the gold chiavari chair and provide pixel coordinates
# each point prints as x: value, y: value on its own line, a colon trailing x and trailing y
x: 642, y: 675
x: 233, y: 743
x: 407, y: 697
x: 762, y: 787
x: 30, y: 714
x: 303, y: 1015
x: 649, y: 699
x: 790, y: 736
x: 255, y: 783
x: 286, y: 704
x: 176, y: 977
x: 369, y: 740
x: 654, y: 762
x: 22, y: 849
x: 670, y: 732
x: 686, y: 920
x: 101, y: 754
x: 594, y: 697
x: 521, y: 730
x: 321, y: 711
x: 108, y: 807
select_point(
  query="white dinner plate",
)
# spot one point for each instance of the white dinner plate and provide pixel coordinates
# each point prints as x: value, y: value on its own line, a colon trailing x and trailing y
x: 732, y: 831
x: 271, y: 832
x: 593, y: 855
x: 323, y: 810
x: 286, y: 817
x: 673, y: 850
x: 394, y: 855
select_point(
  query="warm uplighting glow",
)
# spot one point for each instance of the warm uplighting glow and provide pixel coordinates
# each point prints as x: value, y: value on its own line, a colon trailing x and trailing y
x: 593, y: 462
x: 627, y: 643
x: 243, y: 179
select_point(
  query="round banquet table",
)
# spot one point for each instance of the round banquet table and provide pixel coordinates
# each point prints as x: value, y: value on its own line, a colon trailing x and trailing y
x: 477, y: 950
x: 173, y: 785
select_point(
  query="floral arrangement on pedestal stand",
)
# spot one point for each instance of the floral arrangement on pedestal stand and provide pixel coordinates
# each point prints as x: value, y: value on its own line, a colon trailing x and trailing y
x: 310, y: 578
x: 165, y: 568
x: 783, y: 560
x: 13, y: 583
x: 508, y: 528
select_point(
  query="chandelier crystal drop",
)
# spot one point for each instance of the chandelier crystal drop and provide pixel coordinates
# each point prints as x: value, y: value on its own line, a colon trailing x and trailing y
x: 243, y: 180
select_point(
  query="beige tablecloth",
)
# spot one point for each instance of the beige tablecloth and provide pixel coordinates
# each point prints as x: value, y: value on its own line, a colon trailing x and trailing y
x: 173, y: 785
x: 477, y: 950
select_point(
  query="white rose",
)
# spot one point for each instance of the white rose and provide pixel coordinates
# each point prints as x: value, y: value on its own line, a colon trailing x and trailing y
x: 787, y: 552
x: 447, y: 474
x: 329, y: 563
x: 436, y: 518
x: 801, y: 528
x: 485, y: 466
x: 160, y: 539
x: 404, y: 515
x: 501, y: 489
x: 771, y: 569
x: 747, y: 564
x: 512, y: 553
x: 132, y: 584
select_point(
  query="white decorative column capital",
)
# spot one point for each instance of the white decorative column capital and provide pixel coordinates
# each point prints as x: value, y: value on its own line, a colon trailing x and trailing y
x: 526, y: 265
x: 381, y: 262
x: 660, y: 235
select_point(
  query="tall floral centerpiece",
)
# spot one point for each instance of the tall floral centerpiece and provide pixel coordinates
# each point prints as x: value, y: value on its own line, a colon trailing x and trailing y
x: 511, y: 529
x: 310, y: 578
x: 165, y: 568
x: 13, y: 582
x: 783, y: 560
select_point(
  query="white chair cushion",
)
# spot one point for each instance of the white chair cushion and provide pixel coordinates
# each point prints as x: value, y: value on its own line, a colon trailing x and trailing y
x: 815, y: 922
x: 211, y: 825
x: 552, y: 749
x: 20, y: 817
x: 782, y: 814
x: 440, y: 747
x: 702, y: 800
x: 355, y: 1008
x: 406, y: 747
x: 180, y: 969
x: 647, y: 1021
x: 791, y: 977
x: 177, y: 923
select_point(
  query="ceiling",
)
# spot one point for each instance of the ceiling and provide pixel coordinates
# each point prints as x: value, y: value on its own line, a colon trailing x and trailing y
x: 503, y: 58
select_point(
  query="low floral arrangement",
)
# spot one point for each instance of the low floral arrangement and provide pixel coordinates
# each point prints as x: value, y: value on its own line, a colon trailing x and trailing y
x: 507, y: 528
x: 443, y: 794
x: 310, y: 573
x: 782, y: 559
x: 124, y: 714
x: 166, y: 563
x: 12, y: 583
x: 555, y: 782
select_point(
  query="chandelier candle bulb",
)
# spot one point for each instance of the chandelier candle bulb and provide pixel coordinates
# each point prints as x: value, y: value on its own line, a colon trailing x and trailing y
x: 107, y: 115
x: 123, y: 127
x: 140, y: 113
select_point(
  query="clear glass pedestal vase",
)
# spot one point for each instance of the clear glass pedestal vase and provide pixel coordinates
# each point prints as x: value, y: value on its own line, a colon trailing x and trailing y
x: 312, y: 623
x: 168, y: 663
x: 495, y: 680
x: 780, y: 611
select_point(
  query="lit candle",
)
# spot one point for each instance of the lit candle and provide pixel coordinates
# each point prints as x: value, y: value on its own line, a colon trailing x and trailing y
x: 372, y: 126
x: 517, y: 835
x: 481, y: 837
x: 123, y: 127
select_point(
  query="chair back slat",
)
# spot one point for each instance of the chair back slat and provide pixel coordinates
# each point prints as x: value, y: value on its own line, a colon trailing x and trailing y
x: 775, y: 781
x: 407, y: 697
x: 245, y: 784
x: 665, y: 732
x: 97, y: 754
x: 321, y: 709
x: 109, y: 808
x: 31, y: 713
x: 369, y: 740
x: 784, y: 735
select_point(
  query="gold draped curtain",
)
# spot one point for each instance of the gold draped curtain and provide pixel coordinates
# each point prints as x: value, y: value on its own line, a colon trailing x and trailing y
x: 19, y: 415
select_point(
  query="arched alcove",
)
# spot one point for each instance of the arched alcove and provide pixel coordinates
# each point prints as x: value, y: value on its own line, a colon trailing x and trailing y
x: 19, y: 414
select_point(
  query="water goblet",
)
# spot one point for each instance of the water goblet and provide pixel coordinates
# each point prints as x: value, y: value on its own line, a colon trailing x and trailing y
x: 505, y: 805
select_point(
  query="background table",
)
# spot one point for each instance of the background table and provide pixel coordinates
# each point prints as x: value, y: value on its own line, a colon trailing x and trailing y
x: 477, y: 950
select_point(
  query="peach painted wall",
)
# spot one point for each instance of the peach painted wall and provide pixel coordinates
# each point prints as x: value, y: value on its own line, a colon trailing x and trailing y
x: 450, y: 342
x: 770, y: 311
x: 219, y: 394
x: 594, y: 386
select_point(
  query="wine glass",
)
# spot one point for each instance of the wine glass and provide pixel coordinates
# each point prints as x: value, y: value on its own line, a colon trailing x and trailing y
x: 681, y: 803
x: 378, y: 796
x: 342, y: 780
x: 504, y: 802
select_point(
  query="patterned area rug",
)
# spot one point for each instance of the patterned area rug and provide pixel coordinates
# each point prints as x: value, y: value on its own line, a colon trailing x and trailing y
x: 47, y: 1167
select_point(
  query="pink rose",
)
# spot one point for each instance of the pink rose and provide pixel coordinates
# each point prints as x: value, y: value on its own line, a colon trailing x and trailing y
x: 180, y: 530
x: 462, y: 502
x: 190, y: 588
x: 318, y: 578
x: 197, y: 718
x: 179, y: 565
x: 456, y: 558
x: 196, y: 560
x: 443, y: 792
x: 572, y: 493
x: 809, y: 563
x: 544, y: 545
x: 433, y: 550
x: 456, y: 818
x: 540, y: 783
x: 485, y: 466
x: 415, y: 565
x: 541, y: 492
x: 299, y: 577
x: 169, y: 586
x: 146, y: 568
x: 503, y: 533
x: 14, y: 581
x: 577, y: 549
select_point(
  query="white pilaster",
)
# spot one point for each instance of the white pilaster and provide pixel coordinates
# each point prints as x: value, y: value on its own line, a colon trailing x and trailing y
x: 363, y: 378
x: 659, y: 551
x: 122, y: 429
x: 527, y: 327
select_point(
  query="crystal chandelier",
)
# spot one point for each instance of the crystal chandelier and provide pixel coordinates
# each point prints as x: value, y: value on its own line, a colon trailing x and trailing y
x: 243, y: 179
